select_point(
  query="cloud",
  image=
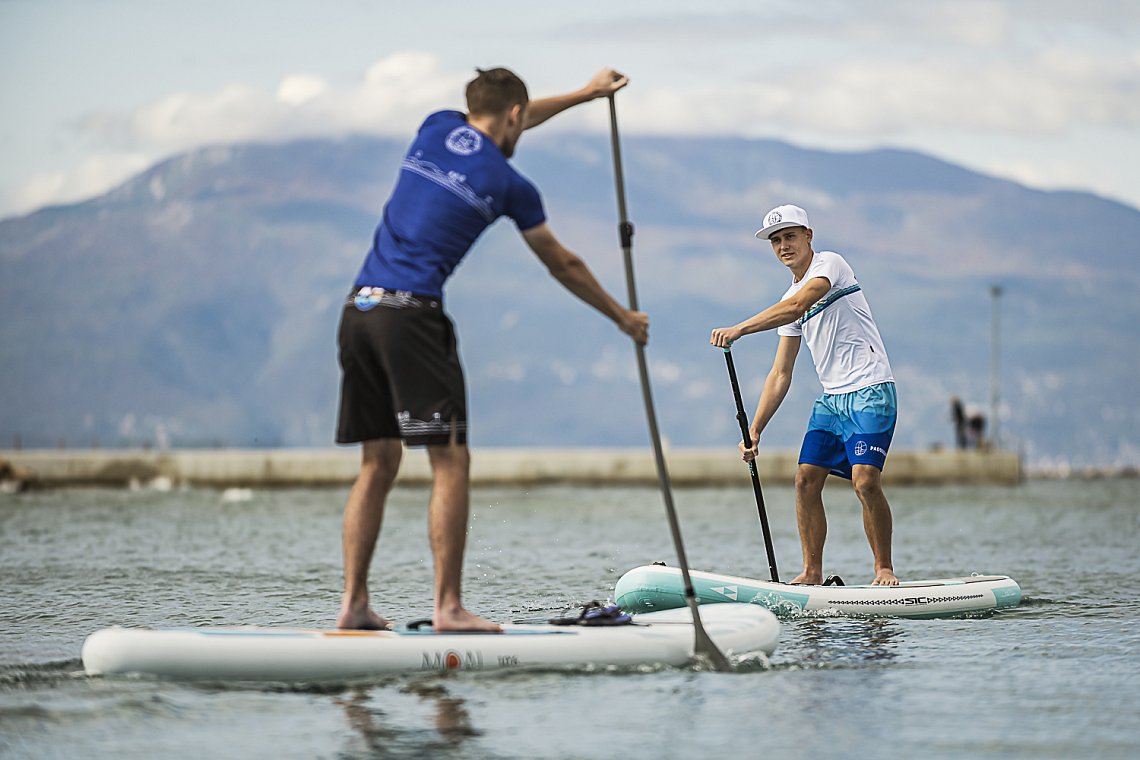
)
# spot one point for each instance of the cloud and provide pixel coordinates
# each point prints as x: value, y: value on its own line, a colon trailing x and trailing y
x: 393, y: 95
x: 300, y: 88
x: 972, y: 24
x: 908, y: 74
x: 1051, y: 93
x: 94, y: 175
x: 969, y: 23
x: 875, y: 69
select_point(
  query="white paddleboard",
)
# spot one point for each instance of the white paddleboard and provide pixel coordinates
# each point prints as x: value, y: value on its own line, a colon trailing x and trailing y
x: 657, y: 587
x: 296, y: 655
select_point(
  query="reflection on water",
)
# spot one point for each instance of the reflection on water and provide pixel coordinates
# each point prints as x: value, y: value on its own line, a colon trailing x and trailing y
x: 383, y: 735
x: 835, y: 642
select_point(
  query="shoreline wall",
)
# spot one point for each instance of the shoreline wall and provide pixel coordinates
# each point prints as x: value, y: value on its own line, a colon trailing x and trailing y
x: 337, y: 467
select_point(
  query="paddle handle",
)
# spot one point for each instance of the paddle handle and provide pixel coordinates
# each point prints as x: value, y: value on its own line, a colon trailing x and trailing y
x: 742, y: 418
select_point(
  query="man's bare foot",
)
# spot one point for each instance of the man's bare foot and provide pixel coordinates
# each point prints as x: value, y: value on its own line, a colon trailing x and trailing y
x: 808, y: 579
x: 462, y: 620
x: 885, y: 577
x: 361, y: 620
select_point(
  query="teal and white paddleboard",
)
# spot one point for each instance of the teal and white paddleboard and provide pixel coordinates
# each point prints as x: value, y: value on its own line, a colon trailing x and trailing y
x: 657, y: 587
x: 296, y: 655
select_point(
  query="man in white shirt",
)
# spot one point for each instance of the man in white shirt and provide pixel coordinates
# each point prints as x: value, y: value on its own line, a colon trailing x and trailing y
x: 852, y: 423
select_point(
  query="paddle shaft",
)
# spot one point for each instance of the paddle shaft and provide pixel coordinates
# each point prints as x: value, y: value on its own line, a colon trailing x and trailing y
x: 703, y: 644
x: 742, y: 418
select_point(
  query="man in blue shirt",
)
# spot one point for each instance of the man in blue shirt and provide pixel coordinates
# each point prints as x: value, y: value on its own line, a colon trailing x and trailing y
x: 402, y: 382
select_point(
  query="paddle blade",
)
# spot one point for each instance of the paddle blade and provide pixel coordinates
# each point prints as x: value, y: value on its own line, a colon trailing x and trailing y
x: 704, y: 649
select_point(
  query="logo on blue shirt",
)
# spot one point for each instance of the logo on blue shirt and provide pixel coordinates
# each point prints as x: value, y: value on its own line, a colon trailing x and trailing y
x: 463, y: 141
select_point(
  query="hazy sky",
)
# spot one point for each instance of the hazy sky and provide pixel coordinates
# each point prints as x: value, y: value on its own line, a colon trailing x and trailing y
x: 1046, y: 92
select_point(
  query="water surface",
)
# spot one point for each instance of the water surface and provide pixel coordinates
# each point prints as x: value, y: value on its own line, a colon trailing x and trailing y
x: 1057, y: 677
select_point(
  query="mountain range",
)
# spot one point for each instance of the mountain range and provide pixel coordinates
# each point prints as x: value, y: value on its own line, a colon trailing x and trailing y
x: 197, y: 303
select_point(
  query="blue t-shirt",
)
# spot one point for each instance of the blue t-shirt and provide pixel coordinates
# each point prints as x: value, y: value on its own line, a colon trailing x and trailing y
x: 454, y: 182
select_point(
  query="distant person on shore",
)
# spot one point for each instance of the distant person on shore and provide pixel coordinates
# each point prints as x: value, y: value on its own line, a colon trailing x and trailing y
x: 852, y: 423
x: 402, y: 381
x: 976, y: 428
x: 969, y: 425
x: 958, y: 415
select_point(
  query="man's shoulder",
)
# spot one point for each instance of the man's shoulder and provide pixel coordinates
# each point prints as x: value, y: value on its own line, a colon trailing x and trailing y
x: 438, y: 124
x: 830, y: 257
x: 448, y: 115
x: 830, y: 261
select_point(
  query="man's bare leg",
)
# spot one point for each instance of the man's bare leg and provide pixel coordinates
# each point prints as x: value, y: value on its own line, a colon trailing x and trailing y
x: 812, y: 521
x: 363, y: 513
x: 447, y: 527
x: 877, y: 523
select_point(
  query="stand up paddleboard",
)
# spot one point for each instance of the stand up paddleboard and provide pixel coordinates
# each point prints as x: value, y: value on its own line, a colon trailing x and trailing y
x: 657, y: 587
x: 292, y: 655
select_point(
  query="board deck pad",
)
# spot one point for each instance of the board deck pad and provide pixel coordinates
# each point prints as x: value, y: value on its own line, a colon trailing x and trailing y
x: 250, y: 653
x: 658, y: 587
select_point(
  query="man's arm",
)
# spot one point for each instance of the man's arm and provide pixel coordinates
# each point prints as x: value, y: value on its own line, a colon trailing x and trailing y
x: 783, y: 313
x: 575, y: 276
x: 775, y: 389
x: 605, y: 82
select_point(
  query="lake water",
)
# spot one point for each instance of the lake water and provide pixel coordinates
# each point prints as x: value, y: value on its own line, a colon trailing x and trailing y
x: 1057, y: 677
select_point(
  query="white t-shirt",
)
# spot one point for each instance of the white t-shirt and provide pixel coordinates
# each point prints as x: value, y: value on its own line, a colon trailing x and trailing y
x: 840, y: 332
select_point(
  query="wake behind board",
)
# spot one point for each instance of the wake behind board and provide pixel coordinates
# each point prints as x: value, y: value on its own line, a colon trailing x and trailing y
x: 656, y: 587
x: 294, y: 655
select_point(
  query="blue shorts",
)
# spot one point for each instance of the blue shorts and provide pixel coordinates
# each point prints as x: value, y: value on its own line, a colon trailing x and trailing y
x: 847, y: 429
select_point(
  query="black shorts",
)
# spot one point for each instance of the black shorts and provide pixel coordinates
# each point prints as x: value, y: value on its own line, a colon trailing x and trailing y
x: 400, y: 371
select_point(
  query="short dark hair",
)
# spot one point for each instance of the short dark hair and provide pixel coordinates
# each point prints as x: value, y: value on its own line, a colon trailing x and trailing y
x: 495, y: 91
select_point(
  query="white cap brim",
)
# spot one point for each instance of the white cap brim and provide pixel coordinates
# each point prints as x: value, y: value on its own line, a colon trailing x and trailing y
x: 766, y: 232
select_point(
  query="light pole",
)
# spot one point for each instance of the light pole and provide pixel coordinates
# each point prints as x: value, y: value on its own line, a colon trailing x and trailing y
x: 995, y: 367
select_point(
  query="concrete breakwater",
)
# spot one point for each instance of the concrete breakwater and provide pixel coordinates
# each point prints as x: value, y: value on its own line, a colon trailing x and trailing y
x: 336, y: 467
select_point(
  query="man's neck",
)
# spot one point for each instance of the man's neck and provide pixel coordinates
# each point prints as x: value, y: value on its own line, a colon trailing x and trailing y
x: 798, y: 275
x: 494, y: 127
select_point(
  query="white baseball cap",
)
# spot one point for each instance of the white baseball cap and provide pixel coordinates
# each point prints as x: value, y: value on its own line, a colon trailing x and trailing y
x: 781, y: 218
